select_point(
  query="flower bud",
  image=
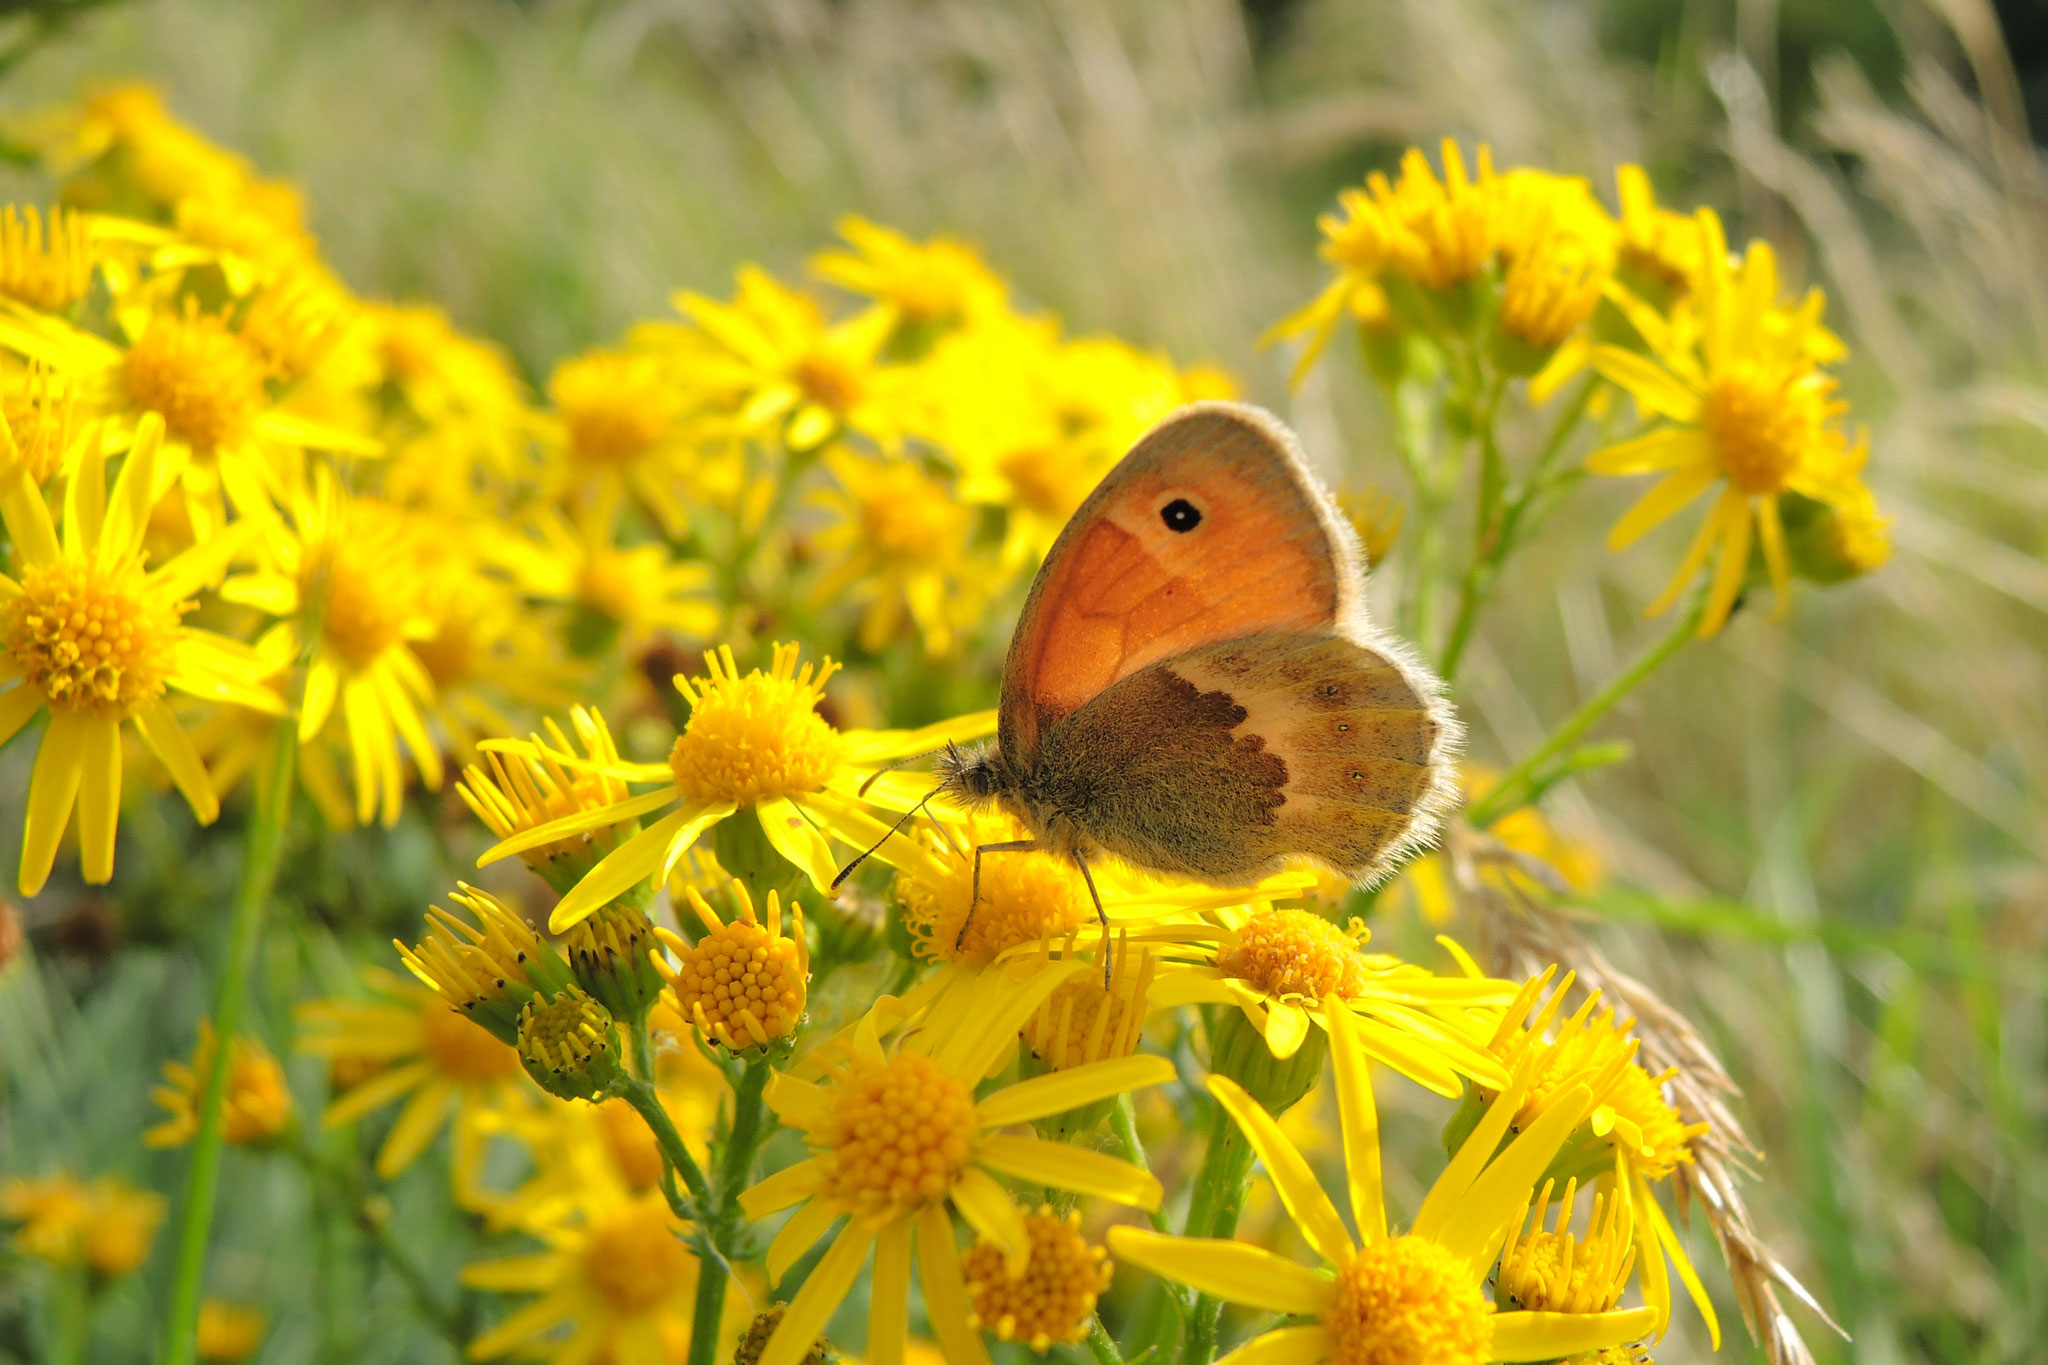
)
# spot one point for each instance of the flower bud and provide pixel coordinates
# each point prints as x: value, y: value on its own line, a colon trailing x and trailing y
x: 570, y: 1046
x: 610, y: 953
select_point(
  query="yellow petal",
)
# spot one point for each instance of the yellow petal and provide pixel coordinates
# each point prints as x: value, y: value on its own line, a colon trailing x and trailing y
x: 797, y: 841
x: 1667, y: 1238
x: 1038, y: 1162
x: 1731, y: 568
x: 578, y: 822
x: 778, y: 1191
x: 990, y: 1211
x: 1665, y: 498
x: 1283, y: 1346
x: 1286, y: 1028
x: 1551, y: 1336
x: 16, y: 706
x: 1655, y: 387
x: 863, y: 747
x: 99, y: 797
x: 52, y: 788
x: 1058, y: 1091
x: 945, y: 1289
x: 416, y: 1127
x: 1236, y: 1271
x: 889, y: 1296
x: 634, y: 861
x: 1664, y: 448
x: 1293, y: 1181
x: 1359, y: 1119
x: 323, y: 683
x: 824, y: 1290
x: 1478, y: 1222
x: 799, y: 1235
x: 372, y: 1094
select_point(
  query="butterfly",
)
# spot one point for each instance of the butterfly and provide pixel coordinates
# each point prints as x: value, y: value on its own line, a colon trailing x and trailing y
x: 1194, y: 686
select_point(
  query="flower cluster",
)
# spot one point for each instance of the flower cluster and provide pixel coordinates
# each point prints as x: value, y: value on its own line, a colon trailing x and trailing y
x: 762, y: 1026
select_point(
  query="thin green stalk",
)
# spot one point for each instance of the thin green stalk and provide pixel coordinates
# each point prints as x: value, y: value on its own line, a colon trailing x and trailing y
x: 202, y: 1177
x: 1213, y: 1212
x: 1123, y: 1126
x: 1511, y: 792
x: 1498, y: 530
x: 641, y: 1096
x: 1101, y: 1344
x: 709, y: 1310
x: 737, y: 1168
x: 70, y: 1316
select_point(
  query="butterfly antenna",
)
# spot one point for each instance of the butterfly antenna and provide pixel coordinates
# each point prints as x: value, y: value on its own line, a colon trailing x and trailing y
x: 893, y: 764
x: 907, y: 816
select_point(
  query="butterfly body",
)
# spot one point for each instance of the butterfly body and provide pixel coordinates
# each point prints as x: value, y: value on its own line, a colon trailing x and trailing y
x: 1194, y: 687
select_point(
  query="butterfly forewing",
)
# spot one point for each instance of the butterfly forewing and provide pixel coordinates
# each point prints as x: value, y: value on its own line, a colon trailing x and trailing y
x: 1210, y: 529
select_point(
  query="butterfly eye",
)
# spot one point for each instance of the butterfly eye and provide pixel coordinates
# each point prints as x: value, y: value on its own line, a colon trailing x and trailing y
x: 1181, y: 515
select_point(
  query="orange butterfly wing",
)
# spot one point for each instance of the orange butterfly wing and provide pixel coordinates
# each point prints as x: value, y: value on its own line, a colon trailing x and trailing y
x: 1210, y: 529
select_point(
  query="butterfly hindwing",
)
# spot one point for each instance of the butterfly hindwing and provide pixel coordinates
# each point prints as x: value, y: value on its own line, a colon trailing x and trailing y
x: 1226, y: 762
x: 1211, y: 528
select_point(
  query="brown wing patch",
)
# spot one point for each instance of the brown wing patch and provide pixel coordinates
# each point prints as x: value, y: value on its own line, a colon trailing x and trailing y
x: 1367, y: 740
x: 1211, y: 528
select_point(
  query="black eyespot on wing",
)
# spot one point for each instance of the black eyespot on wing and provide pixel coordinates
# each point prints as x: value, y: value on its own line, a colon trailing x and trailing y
x: 1181, y: 515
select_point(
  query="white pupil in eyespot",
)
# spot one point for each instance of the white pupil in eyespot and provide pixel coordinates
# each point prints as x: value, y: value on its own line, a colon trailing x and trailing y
x: 1180, y: 515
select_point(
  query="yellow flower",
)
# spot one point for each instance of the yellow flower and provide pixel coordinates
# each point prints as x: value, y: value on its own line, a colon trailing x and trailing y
x: 1053, y: 1299
x: 256, y: 1108
x: 1557, y: 1271
x: 45, y: 264
x: 614, y: 1283
x: 1279, y: 966
x: 462, y: 417
x: 106, y: 1226
x: 898, y: 1136
x: 621, y: 416
x: 899, y: 540
x: 784, y: 367
x: 489, y: 969
x: 1413, y: 1297
x: 354, y: 567
x: 90, y: 634
x: 548, y: 781
x: 38, y: 430
x: 229, y: 1331
x: 742, y: 984
x: 755, y: 742
x: 619, y: 596
x: 1746, y: 409
x: 1632, y: 1136
x: 939, y: 283
x: 421, y: 1048
x: 1085, y: 1020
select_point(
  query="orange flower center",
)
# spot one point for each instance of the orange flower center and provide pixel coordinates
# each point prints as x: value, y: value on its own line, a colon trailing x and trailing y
x: 1283, y: 953
x: 1760, y: 430
x: 742, y: 984
x: 205, y: 380
x: 1407, y: 1302
x: 899, y: 1136
x: 90, y: 639
x: 1052, y: 1300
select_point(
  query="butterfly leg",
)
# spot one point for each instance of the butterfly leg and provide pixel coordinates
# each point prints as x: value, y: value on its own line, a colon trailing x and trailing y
x: 1101, y: 915
x: 1013, y: 846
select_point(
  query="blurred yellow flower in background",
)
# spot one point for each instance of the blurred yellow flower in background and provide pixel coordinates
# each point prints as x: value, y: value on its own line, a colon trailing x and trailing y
x: 257, y: 1106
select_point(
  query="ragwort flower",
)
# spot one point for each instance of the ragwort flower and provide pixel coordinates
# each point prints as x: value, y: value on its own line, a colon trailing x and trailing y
x: 89, y: 633
x: 755, y: 748
x: 898, y: 1136
x: 1747, y: 409
x: 1413, y: 1297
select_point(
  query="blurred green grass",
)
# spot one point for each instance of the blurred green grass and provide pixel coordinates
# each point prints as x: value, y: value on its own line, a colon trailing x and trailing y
x: 1832, y: 831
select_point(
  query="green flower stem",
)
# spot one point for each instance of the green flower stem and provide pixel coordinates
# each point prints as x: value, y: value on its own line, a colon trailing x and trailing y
x: 724, y: 1222
x: 641, y: 1096
x: 1513, y: 788
x: 1123, y: 1126
x: 1101, y: 1344
x: 1499, y: 528
x: 202, y: 1178
x: 1213, y: 1212
x: 70, y: 1316
x: 643, y: 1050
x: 705, y: 1339
x: 340, y: 1188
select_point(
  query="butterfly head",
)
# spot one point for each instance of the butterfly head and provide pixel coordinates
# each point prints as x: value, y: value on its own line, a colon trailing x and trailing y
x: 973, y: 776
